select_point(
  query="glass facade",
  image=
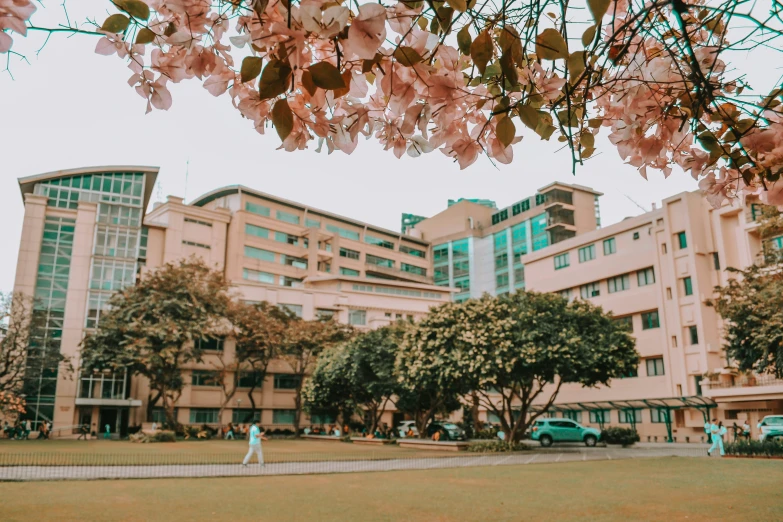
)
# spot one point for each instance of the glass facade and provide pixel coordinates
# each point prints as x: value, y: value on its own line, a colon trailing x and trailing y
x: 501, y: 261
x: 538, y: 226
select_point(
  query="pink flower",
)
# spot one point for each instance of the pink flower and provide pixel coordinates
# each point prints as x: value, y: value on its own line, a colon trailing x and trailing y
x: 13, y: 17
x: 367, y: 32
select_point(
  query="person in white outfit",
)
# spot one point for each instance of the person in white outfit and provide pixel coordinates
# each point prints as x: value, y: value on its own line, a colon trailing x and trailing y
x: 255, y: 437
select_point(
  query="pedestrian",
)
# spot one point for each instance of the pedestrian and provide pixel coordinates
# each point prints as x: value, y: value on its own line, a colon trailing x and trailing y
x: 254, y: 438
x: 717, y: 430
x: 230, y: 432
x: 154, y: 426
x: 107, y: 433
x: 43, y: 431
x: 746, y: 430
x: 26, y: 430
x: 83, y: 431
x: 736, y: 432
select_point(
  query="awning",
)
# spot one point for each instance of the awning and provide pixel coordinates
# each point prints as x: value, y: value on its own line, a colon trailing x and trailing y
x: 671, y: 403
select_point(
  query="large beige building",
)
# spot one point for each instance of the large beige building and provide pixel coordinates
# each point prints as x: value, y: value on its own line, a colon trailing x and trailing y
x: 656, y: 272
x: 85, y: 235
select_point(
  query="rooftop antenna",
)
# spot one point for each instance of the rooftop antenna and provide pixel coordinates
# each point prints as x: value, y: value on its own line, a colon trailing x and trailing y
x: 635, y: 203
x: 187, y: 171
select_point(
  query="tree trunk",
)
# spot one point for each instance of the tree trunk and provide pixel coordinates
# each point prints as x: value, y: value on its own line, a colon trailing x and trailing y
x: 474, y: 411
x: 298, y: 406
x: 151, y: 405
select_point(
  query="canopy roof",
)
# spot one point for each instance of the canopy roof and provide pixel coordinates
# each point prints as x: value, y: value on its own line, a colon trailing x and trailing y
x: 672, y: 403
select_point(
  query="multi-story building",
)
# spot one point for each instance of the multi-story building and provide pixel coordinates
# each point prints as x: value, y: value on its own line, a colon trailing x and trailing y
x: 656, y: 273
x: 478, y: 249
x: 85, y: 235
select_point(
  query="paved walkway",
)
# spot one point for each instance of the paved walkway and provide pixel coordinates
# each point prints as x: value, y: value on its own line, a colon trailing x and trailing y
x: 538, y: 456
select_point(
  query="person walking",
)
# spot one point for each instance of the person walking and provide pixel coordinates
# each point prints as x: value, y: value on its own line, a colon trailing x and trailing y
x: 746, y: 430
x: 26, y: 430
x: 716, y: 431
x: 255, y: 437
x: 230, y: 432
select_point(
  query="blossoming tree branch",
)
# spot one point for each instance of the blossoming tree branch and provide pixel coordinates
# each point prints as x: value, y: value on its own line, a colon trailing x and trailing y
x: 470, y: 77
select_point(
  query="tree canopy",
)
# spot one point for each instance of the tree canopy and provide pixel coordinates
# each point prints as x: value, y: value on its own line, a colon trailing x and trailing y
x: 664, y: 79
x: 514, y: 350
x: 152, y: 328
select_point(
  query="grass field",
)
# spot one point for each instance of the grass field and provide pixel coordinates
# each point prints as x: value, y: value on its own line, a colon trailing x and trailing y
x: 650, y: 489
x: 19, y: 452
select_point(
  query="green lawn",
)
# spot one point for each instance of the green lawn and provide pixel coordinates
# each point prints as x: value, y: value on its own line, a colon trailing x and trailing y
x: 649, y: 489
x: 213, y: 451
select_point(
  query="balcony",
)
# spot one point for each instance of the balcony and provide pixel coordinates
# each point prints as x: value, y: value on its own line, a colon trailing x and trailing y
x: 557, y: 197
x: 560, y: 219
x: 744, y: 387
x: 105, y: 389
x: 386, y: 272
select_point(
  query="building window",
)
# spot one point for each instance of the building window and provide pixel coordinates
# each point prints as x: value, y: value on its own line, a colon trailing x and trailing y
x: 694, y: 334
x: 716, y: 260
x: 212, y: 344
x: 590, y: 290
x: 296, y: 262
x: 379, y: 261
x: 343, y: 232
x: 258, y: 253
x: 658, y: 416
x: 255, y: 275
x: 350, y: 254
x: 687, y: 286
x: 650, y: 320
x: 113, y: 242
x: 565, y: 294
x: 245, y: 416
x: 682, y: 240
x: 645, y: 277
x: 204, y: 378
x: 405, y: 249
x: 198, y: 222
x: 357, y: 317
x: 654, y: 367
x: 257, y: 209
x: 668, y: 293
x: 285, y: 381
x: 248, y: 380
x: 253, y: 230
x: 199, y: 245
x: 413, y: 269
x: 312, y: 223
x: 293, y: 308
x: 630, y: 416
x: 371, y: 240
x: 501, y: 280
x: 204, y: 415
x: 112, y: 275
x: 635, y: 236
x: 619, y: 283
x: 663, y: 248
x: 282, y: 237
x: 674, y: 341
x: 575, y: 416
x: 349, y: 271
x: 324, y: 313
x: 283, y: 416
x: 600, y: 416
x: 561, y: 261
x: 610, y: 246
x: 287, y: 217
x: 292, y: 282
x: 626, y: 322
x: 587, y: 253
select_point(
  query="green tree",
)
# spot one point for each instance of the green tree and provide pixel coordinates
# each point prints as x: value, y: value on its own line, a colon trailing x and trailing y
x: 150, y: 328
x: 303, y: 342
x: 258, y: 330
x: 358, y: 374
x: 515, y: 350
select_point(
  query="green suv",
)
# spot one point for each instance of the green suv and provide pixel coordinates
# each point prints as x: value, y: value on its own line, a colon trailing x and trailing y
x: 547, y: 431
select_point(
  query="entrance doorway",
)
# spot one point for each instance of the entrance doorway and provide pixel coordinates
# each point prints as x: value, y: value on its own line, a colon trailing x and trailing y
x: 117, y: 420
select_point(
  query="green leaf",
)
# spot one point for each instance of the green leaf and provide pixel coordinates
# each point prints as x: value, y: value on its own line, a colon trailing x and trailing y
x: 545, y: 130
x: 282, y: 118
x: 407, y: 56
x: 481, y: 51
x: 135, y: 8
x: 594, y: 123
x: 464, y: 40
x: 598, y: 8
x: 505, y: 130
x: 274, y: 79
x: 458, y: 5
x: 529, y: 116
x: 116, y: 23
x: 145, y: 36
x: 589, y: 35
x: 251, y: 68
x: 326, y: 76
x: 568, y: 118
x: 550, y: 45
x: 576, y: 64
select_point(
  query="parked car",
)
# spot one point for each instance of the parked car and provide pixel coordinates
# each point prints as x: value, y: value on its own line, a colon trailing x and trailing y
x: 548, y: 431
x: 448, y: 431
x: 404, y: 426
x: 770, y: 426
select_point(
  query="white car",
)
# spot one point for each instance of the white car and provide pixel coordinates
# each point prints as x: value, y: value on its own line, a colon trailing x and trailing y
x: 770, y: 426
x: 404, y: 426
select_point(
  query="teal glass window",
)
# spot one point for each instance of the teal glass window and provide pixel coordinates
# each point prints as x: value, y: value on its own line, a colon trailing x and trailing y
x: 255, y: 208
x: 610, y: 246
x: 561, y: 261
x: 287, y: 217
x: 258, y: 253
x: 254, y: 230
x: 682, y: 240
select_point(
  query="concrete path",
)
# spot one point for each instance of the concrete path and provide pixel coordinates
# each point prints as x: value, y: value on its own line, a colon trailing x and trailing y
x: 547, y: 456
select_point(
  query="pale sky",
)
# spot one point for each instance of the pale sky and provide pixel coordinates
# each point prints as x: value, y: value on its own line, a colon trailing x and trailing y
x: 72, y: 108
